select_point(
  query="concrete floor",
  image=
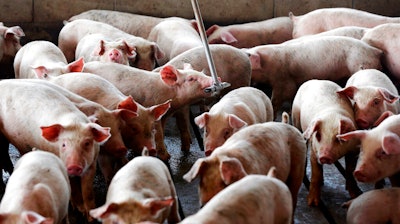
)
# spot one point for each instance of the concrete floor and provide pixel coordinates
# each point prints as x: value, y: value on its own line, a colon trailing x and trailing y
x: 333, y: 191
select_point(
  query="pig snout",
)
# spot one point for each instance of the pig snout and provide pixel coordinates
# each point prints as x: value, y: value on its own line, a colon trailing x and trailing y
x: 74, y: 170
x: 114, y: 55
x: 120, y: 152
x: 360, y: 176
x: 362, y: 123
x: 325, y: 157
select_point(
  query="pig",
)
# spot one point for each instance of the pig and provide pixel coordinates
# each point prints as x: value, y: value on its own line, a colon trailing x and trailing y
x: 237, y: 109
x: 38, y: 190
x: 182, y: 86
x: 374, y: 206
x: 135, y: 24
x: 174, y: 36
x: 322, y: 113
x: 324, y: 19
x: 252, y: 199
x: 73, y: 32
x: 34, y: 115
x: 141, y: 191
x: 379, y: 154
x: 282, y: 66
x: 97, y: 47
x: 10, y: 40
x: 372, y: 93
x: 43, y: 57
x: 253, y: 150
x: 271, y: 31
x: 386, y: 37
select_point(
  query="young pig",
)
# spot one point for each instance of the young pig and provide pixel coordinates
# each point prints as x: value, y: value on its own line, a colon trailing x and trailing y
x: 10, y: 40
x: 182, y: 86
x: 380, y: 155
x: 238, y: 108
x: 38, y: 190
x: 141, y: 191
x: 73, y: 32
x: 286, y: 66
x: 375, y: 206
x: 97, y: 47
x: 321, y: 114
x: 43, y: 57
x: 254, y: 199
x: 373, y: 93
x: 270, y: 31
x: 253, y: 150
x: 324, y: 19
x: 34, y: 115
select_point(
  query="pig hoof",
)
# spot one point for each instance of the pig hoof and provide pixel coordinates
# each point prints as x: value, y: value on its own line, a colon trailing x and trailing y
x: 164, y: 156
x: 313, y: 201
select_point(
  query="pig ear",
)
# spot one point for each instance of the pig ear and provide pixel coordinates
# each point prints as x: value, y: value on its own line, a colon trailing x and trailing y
x: 272, y: 172
x: 40, y: 71
x: 156, y: 204
x: 201, y: 120
x: 346, y: 125
x: 130, y: 50
x: 255, y: 60
x: 169, y: 75
x: 104, y: 211
x: 228, y: 37
x: 158, y: 53
x: 211, y: 30
x: 359, y: 134
x: 391, y: 143
x: 13, y: 32
x: 231, y: 170
x: 381, y: 118
x: 76, y: 66
x: 235, y: 122
x: 196, y: 170
x: 51, y: 133
x: 100, y: 49
x: 100, y: 134
x: 312, y: 127
x: 31, y: 217
x: 160, y: 110
x: 129, y: 104
x: 348, y: 91
x: 126, y: 114
x: 387, y: 95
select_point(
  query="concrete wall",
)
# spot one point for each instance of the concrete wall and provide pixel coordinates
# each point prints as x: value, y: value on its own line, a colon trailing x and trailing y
x: 42, y: 19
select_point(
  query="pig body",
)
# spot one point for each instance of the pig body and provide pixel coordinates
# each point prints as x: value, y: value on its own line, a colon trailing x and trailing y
x: 38, y: 188
x: 97, y: 47
x: 246, y: 200
x: 237, y: 109
x: 386, y: 37
x: 324, y: 19
x: 142, y: 190
x: 73, y: 32
x: 135, y: 24
x: 54, y: 124
x: 373, y: 93
x: 373, y: 207
x: 270, y: 31
x: 321, y: 113
x: 174, y: 36
x: 253, y: 150
x: 43, y: 57
x: 282, y: 66
x: 10, y: 40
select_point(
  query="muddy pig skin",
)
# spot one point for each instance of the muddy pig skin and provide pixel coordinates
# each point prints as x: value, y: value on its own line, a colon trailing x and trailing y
x: 386, y: 37
x: 38, y: 116
x: 10, y: 40
x: 182, y: 86
x: 321, y: 114
x: 237, y: 109
x: 286, y: 66
x: 379, y: 155
x: 73, y: 32
x: 43, y: 57
x: 372, y: 94
x: 270, y: 31
x: 174, y: 36
x: 141, y: 191
x: 324, y: 19
x: 97, y: 47
x: 254, y: 199
x: 375, y: 206
x: 135, y: 24
x: 38, y: 190
x: 253, y: 150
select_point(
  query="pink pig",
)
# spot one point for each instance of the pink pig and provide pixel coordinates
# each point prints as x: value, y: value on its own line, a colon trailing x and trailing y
x: 324, y: 19
x: 373, y: 93
x: 253, y: 150
x: 237, y: 109
x: 321, y: 114
x: 38, y: 190
x: 43, y: 57
x: 10, y: 40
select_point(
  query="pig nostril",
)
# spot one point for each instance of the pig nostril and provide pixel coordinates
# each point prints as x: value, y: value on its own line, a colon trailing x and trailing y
x: 362, y: 123
x: 325, y: 160
x: 74, y: 170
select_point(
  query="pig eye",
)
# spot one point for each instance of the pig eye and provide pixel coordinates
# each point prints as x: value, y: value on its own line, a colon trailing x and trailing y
x: 190, y: 79
x: 376, y: 102
x: 318, y: 136
x: 227, y: 133
x: 380, y: 154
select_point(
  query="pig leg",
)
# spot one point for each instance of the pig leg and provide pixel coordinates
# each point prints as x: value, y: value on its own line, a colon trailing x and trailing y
x: 87, y: 180
x: 314, y: 194
x: 108, y: 165
x: 278, y: 97
x: 351, y: 183
x: 5, y: 160
x: 162, y: 151
x: 182, y: 122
